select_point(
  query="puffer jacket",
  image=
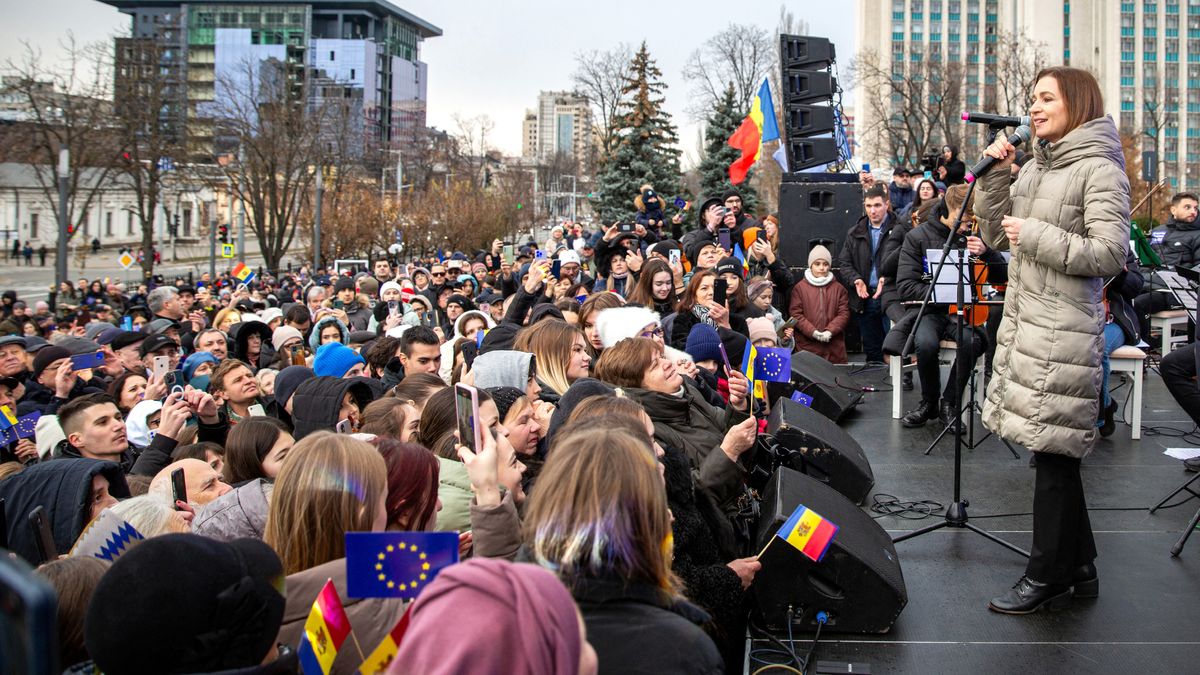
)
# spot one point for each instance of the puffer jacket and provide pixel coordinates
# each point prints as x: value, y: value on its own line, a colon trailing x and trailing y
x: 1075, y: 201
x: 821, y: 308
x: 317, y: 403
x: 1181, y: 244
x: 237, y: 514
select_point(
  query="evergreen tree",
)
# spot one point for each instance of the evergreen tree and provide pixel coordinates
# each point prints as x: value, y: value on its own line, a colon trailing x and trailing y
x: 647, y: 149
x: 718, y: 154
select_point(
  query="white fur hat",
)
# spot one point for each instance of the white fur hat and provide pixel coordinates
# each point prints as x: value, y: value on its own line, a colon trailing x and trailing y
x: 618, y: 323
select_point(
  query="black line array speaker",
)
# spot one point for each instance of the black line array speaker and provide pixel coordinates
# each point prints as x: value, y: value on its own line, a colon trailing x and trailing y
x: 808, y: 87
x: 858, y: 584
x: 821, y: 449
x: 816, y: 208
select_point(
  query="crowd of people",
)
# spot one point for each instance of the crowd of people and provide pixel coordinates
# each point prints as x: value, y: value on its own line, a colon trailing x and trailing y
x: 603, y: 520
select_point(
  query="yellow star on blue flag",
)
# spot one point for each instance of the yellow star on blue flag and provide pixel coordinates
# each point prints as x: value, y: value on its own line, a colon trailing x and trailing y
x: 773, y: 364
x: 396, y: 564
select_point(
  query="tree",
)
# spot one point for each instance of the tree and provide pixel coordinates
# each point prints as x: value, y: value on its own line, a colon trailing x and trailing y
x: 149, y: 123
x: 68, y: 107
x: 600, y: 75
x: 739, y: 56
x: 646, y: 150
x: 269, y: 143
x: 1018, y: 60
x: 718, y: 154
x: 911, y: 107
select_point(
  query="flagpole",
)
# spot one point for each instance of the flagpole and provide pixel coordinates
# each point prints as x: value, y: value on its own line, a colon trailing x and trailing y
x: 764, y: 549
x: 361, y: 658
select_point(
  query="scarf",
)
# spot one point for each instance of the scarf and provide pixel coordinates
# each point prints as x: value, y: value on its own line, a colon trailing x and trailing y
x: 701, y: 312
x: 823, y: 281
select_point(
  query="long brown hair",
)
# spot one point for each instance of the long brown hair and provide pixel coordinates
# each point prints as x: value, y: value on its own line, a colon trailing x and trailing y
x: 248, y: 445
x: 551, y: 341
x: 329, y: 486
x: 600, y: 510
x: 1080, y: 93
x: 643, y: 293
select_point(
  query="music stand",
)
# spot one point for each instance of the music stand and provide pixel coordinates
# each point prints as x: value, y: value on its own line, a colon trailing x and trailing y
x: 971, y: 407
x: 956, y: 513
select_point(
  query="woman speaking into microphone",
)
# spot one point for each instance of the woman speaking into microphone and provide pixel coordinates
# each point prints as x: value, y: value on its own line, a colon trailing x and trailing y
x: 1066, y: 222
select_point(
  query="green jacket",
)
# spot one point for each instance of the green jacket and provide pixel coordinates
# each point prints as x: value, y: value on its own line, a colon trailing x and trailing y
x: 454, y: 490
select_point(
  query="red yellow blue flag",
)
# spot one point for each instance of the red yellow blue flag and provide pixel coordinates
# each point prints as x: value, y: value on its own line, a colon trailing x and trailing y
x: 243, y: 273
x: 7, y: 418
x: 379, y: 660
x: 325, y: 630
x: 396, y: 564
x: 808, y: 532
x: 759, y: 127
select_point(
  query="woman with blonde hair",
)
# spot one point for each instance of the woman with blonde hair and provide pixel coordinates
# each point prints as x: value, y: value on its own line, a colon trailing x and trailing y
x: 561, y: 352
x: 226, y: 318
x: 331, y: 484
x: 599, y: 520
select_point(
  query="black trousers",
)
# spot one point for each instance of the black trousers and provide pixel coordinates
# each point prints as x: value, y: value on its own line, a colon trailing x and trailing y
x: 934, y: 328
x: 1151, y: 302
x: 1062, y: 532
x: 1178, y: 370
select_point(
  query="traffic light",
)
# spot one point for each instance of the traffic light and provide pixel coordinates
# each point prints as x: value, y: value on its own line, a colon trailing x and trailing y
x: 223, y: 233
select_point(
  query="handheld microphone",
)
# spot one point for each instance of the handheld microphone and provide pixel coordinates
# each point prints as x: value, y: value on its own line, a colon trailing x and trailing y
x: 995, y: 120
x: 981, y: 167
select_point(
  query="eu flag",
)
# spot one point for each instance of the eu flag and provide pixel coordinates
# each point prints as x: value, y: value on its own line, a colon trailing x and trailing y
x: 773, y: 364
x: 396, y: 564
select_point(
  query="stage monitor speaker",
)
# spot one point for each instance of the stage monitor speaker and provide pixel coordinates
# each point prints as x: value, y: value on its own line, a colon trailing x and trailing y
x: 809, y: 120
x: 816, y: 210
x: 835, y: 392
x: 804, y: 51
x: 821, y: 449
x: 858, y: 584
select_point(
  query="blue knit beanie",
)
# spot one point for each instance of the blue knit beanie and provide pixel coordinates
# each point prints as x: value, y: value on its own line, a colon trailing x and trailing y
x: 703, y: 343
x: 191, y: 363
x: 334, y: 359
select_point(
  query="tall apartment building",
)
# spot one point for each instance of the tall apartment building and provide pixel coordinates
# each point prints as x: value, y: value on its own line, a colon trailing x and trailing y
x: 562, y: 123
x: 366, y: 51
x: 1145, y: 54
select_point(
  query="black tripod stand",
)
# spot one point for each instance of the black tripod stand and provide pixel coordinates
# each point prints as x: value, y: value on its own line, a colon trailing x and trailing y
x: 956, y: 514
x: 971, y: 407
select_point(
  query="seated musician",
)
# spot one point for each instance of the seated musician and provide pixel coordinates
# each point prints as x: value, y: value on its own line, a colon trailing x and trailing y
x: 938, y: 323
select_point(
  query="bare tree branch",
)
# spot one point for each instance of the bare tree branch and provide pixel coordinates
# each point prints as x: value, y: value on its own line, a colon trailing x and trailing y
x: 741, y: 55
x: 600, y: 75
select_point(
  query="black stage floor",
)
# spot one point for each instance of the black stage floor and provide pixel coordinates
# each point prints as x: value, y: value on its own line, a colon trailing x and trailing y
x: 1147, y: 618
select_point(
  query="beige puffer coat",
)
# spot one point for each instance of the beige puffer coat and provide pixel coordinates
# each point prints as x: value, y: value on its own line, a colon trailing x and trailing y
x: 1044, y: 393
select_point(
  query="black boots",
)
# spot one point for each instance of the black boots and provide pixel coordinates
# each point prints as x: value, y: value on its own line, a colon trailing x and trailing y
x: 949, y: 417
x: 1028, y: 596
x: 1108, y: 425
x: 917, y: 417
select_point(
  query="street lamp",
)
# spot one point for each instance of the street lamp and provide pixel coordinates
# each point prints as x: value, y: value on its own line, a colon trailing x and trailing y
x: 64, y: 176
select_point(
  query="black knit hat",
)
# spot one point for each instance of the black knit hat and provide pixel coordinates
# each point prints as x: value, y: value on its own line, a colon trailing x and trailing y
x: 45, y: 357
x: 730, y: 265
x: 343, y: 284
x: 504, y: 398
x: 228, y: 591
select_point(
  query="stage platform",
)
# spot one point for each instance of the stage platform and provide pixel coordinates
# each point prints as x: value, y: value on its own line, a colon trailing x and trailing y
x: 1147, y: 618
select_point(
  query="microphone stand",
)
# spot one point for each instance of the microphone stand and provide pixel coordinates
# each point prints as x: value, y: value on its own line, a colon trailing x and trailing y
x: 956, y: 514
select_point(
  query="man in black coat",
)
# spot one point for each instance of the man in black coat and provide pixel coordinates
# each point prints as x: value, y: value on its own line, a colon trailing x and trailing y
x: 937, y: 323
x: 858, y: 268
x: 1180, y: 245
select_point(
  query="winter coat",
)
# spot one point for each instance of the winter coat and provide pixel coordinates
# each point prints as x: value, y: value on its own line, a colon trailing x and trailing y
x: 454, y: 489
x: 637, y: 629
x: 856, y: 259
x: 1075, y: 201
x: 63, y: 488
x: 372, y: 618
x: 684, y: 321
x: 314, y: 337
x: 690, y: 423
x: 238, y: 514
x: 240, y: 334
x: 40, y: 398
x: 1120, y: 293
x: 889, y: 259
x: 1181, y: 244
x: 821, y: 308
x: 780, y: 276
x: 358, y: 311
x: 447, y: 348
x: 900, y: 197
x: 317, y: 402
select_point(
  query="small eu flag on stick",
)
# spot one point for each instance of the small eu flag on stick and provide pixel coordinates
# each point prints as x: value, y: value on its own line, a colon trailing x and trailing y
x: 396, y: 564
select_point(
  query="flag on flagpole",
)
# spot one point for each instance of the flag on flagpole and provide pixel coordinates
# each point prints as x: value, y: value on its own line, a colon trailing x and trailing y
x: 759, y: 127
x: 7, y: 418
x: 325, y: 630
x: 748, y: 361
x: 243, y: 273
x: 773, y: 364
x: 382, y: 657
x: 808, y: 532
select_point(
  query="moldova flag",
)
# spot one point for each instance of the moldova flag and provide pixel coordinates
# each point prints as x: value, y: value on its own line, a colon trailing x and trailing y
x: 325, y: 630
x: 379, y: 660
x: 396, y: 564
x: 808, y: 532
x: 759, y: 127
x: 243, y: 273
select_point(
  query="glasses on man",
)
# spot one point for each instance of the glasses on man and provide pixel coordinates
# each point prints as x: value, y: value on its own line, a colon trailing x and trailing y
x: 656, y: 333
x: 439, y: 274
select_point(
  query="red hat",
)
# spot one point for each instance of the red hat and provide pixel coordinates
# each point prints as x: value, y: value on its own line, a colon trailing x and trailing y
x: 406, y: 295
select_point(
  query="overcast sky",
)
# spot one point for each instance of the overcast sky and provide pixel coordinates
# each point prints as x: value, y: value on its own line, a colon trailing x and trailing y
x: 494, y: 57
